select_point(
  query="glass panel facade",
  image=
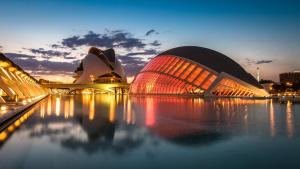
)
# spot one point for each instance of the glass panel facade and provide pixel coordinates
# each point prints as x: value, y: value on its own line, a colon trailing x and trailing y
x: 194, y: 74
x: 201, y: 78
x: 208, y: 82
x: 181, y: 69
x: 188, y: 71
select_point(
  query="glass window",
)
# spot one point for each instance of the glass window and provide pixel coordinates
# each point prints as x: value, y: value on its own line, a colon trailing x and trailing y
x: 174, y: 62
x: 194, y: 74
x: 188, y: 71
x: 164, y: 64
x: 208, y: 82
x: 181, y: 69
x: 201, y: 78
x: 168, y: 64
x: 177, y: 66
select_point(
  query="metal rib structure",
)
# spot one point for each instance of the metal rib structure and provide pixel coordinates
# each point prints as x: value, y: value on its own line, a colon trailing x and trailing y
x: 16, y: 84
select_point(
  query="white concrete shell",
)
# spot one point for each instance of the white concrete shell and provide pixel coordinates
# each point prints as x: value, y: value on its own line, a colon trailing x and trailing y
x: 95, y: 65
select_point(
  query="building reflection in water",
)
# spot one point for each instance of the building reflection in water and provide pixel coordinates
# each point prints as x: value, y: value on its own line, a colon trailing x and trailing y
x: 57, y: 106
x: 112, y: 108
x: 49, y: 106
x: 272, y: 120
x: 289, y: 120
x: 92, y: 121
x: 150, y: 114
x: 92, y: 107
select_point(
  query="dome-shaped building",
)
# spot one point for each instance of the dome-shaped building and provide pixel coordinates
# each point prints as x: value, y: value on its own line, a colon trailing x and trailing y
x: 195, y: 70
x: 100, y: 67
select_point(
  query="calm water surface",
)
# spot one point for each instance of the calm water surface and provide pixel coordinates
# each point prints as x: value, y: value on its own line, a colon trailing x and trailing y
x: 106, y: 131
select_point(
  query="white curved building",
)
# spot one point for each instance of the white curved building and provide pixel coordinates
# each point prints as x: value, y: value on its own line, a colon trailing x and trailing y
x: 100, y: 67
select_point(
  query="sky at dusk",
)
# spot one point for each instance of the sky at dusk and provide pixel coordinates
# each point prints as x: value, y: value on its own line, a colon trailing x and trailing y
x: 49, y: 38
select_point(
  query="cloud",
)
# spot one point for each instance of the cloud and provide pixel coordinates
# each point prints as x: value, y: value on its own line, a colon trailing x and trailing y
x: 133, y: 62
x: 29, y: 63
x: 110, y: 39
x: 132, y: 65
x: 47, y: 53
x: 151, y: 32
x: 145, y: 52
x: 257, y: 62
x: 263, y: 61
x: 155, y: 43
x: 16, y: 56
x: 57, y: 46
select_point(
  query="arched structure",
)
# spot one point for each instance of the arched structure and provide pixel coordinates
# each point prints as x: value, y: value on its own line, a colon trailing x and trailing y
x: 195, y: 70
x: 16, y: 84
x: 100, y: 67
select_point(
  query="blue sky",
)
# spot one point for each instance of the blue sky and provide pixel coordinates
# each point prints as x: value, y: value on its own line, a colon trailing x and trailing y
x: 250, y: 32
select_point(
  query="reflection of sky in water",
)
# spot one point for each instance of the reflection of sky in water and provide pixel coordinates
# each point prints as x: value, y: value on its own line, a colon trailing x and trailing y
x: 147, y: 132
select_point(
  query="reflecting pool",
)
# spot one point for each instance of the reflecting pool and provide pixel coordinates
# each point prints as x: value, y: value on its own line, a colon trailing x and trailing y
x: 107, y: 131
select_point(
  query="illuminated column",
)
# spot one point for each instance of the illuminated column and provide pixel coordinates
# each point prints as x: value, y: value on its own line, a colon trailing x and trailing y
x: 25, y: 90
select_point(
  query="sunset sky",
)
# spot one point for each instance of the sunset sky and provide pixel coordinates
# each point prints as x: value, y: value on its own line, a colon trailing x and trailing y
x: 49, y: 38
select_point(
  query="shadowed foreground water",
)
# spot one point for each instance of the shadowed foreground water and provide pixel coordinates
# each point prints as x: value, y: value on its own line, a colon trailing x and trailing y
x: 106, y: 131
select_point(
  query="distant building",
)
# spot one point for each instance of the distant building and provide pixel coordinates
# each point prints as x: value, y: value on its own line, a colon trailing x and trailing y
x: 268, y: 85
x: 100, y: 67
x: 290, y: 77
x: 195, y: 70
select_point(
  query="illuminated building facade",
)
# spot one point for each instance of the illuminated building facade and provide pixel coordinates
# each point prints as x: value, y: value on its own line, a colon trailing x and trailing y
x: 195, y: 70
x: 16, y: 84
x: 290, y: 77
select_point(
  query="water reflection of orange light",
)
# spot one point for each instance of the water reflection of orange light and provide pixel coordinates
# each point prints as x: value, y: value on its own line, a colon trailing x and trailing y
x: 150, y: 114
x: 92, y: 108
x: 11, y: 128
x: 272, y: 120
x: 85, y: 102
x: 42, y: 110
x: 71, y: 106
x: 66, y: 112
x: 49, y: 106
x: 112, y: 109
x: 57, y: 106
x: 130, y: 113
x: 3, y: 135
x: 289, y: 120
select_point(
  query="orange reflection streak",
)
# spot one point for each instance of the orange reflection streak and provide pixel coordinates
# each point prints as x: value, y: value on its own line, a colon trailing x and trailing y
x: 130, y: 113
x: 57, y: 106
x: 5, y: 134
x: 72, y: 106
x: 42, y: 110
x: 150, y: 114
x: 85, y: 102
x: 124, y: 106
x: 92, y: 107
x: 67, y: 109
x: 272, y: 120
x: 49, y: 106
x: 112, y: 109
x: 289, y: 120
